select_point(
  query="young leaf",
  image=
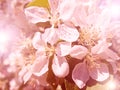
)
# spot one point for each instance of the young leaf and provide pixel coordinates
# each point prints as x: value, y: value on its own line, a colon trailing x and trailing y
x: 40, y: 3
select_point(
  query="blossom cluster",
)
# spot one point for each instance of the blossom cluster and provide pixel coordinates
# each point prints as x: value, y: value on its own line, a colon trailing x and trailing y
x: 76, y: 38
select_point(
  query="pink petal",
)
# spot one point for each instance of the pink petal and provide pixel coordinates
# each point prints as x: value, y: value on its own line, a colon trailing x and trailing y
x: 27, y: 76
x: 80, y: 75
x: 37, y: 14
x: 114, y: 67
x: 37, y: 41
x: 116, y: 45
x: 81, y: 17
x: 99, y: 73
x: 115, y: 31
x: 22, y: 71
x: 92, y: 19
x: 60, y: 66
x: 109, y: 55
x: 40, y: 66
x: 63, y: 48
x: 68, y: 33
x: 104, y: 19
x: 101, y: 20
x: 65, y: 9
x: 53, y: 5
x: 78, y: 51
x: 102, y: 49
x: 40, y: 52
x: 50, y: 36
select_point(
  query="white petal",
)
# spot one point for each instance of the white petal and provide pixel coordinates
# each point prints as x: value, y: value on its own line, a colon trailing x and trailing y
x: 37, y: 41
x: 100, y: 47
x: 104, y: 19
x: 66, y: 10
x: 68, y: 33
x: 27, y: 76
x: 53, y: 5
x: 78, y: 51
x: 99, y: 73
x: 115, y: 31
x: 40, y: 66
x: 22, y: 71
x: 80, y: 19
x: 63, y: 48
x: 37, y: 14
x: 60, y: 66
x: 50, y: 35
x: 109, y: 55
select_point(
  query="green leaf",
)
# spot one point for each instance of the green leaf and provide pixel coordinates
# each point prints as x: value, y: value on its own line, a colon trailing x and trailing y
x: 40, y: 3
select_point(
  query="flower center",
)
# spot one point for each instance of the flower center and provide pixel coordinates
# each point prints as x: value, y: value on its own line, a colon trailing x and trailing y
x: 89, y: 37
x: 55, y: 20
x: 50, y: 50
x: 28, y: 51
x: 92, y: 61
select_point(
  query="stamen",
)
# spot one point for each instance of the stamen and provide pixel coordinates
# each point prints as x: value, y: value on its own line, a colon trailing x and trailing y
x: 50, y: 50
x: 88, y: 37
x: 92, y: 61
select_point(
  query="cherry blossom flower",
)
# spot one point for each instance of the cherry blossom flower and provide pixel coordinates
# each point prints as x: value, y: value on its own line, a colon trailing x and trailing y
x: 92, y: 66
x: 35, y: 40
x: 13, y: 10
x: 93, y: 23
x: 44, y: 52
x: 113, y: 34
x: 57, y: 17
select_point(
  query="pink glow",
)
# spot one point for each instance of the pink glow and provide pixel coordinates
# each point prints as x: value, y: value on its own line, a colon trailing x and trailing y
x: 115, y: 10
x: 4, y: 38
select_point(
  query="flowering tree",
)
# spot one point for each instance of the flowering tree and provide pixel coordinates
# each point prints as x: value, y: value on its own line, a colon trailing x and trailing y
x: 59, y: 44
